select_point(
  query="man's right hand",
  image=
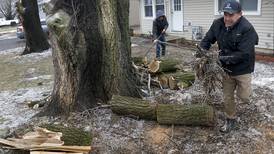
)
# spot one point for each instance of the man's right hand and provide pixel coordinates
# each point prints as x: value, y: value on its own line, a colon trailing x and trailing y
x: 155, y: 41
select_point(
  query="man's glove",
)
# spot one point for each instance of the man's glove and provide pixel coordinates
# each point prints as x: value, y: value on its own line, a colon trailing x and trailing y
x: 200, y: 52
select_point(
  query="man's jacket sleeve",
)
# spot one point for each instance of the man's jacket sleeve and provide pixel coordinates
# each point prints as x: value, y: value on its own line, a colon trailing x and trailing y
x: 245, y: 47
x: 209, y: 38
x: 154, y: 29
x: 166, y: 24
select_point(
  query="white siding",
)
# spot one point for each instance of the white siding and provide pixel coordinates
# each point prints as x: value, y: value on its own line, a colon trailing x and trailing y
x: 264, y: 24
x: 201, y: 13
x: 146, y: 23
x: 134, y: 12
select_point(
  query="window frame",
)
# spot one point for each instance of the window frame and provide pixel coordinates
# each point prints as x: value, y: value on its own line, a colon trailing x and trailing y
x: 144, y: 12
x: 258, y: 12
x: 160, y: 5
x: 153, y: 9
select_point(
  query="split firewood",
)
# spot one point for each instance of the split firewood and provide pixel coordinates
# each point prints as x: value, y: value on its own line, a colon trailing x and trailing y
x: 157, y: 66
x: 177, y: 80
x: 164, y: 65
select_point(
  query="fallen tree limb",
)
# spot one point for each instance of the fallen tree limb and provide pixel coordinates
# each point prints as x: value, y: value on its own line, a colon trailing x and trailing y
x: 164, y: 113
x: 133, y: 107
x: 165, y: 65
x: 195, y: 115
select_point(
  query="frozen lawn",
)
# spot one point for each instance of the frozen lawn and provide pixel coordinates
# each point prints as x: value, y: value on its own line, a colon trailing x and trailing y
x: 30, y: 78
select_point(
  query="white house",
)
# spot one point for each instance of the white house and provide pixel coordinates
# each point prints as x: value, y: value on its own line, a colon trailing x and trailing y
x: 192, y: 18
x: 134, y: 15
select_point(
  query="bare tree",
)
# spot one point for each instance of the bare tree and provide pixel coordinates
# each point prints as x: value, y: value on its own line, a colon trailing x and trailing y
x: 91, y: 53
x: 7, y: 9
x: 36, y: 40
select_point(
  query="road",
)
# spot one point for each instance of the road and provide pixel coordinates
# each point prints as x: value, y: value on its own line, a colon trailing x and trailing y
x: 9, y: 41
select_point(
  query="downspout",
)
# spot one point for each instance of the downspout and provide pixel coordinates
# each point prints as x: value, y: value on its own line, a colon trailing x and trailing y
x: 183, y: 7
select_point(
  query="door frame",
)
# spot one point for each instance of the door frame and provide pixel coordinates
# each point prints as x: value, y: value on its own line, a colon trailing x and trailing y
x: 171, y: 15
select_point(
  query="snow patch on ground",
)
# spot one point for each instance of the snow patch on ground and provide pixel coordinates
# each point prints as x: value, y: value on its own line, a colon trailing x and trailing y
x: 116, y: 133
x: 44, y: 77
x: 10, y: 35
x: 4, y: 22
x: 34, y: 57
x: 14, y: 109
x: 12, y: 51
x: 28, y: 57
x: 264, y: 75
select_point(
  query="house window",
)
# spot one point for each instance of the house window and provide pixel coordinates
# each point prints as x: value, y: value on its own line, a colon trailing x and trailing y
x: 160, y: 5
x: 249, y: 7
x: 148, y: 8
x: 177, y: 5
x: 220, y: 5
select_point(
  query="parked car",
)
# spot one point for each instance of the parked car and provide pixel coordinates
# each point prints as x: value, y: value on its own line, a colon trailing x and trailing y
x: 20, y: 30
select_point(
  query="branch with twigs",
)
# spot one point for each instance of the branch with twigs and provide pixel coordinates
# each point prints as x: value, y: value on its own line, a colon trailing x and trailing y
x: 209, y: 71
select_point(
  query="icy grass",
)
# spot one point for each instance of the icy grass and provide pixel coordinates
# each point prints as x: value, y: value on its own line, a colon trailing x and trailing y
x: 22, y: 78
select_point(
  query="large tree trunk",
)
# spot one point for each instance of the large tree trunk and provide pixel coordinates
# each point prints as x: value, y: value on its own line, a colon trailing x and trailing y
x: 36, y: 40
x: 126, y: 81
x: 91, y: 50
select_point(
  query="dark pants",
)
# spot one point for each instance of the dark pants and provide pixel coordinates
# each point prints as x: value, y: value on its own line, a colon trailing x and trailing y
x: 160, y: 46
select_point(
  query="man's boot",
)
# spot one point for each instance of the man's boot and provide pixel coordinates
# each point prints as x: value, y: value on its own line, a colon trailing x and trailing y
x: 229, y: 125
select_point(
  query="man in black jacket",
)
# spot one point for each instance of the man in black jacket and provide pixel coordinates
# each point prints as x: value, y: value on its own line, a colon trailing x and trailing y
x: 236, y: 39
x: 159, y: 28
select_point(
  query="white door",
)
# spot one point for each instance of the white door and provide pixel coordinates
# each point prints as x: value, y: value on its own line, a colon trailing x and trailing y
x: 177, y: 15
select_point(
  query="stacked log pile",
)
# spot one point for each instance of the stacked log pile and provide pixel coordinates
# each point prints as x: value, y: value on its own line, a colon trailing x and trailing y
x: 166, y: 72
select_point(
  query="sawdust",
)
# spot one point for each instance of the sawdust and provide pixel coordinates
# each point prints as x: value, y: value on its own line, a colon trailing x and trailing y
x: 158, y: 135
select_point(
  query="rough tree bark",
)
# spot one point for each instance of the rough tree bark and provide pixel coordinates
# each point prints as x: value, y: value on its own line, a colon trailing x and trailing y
x: 36, y: 40
x: 192, y: 114
x: 91, y: 53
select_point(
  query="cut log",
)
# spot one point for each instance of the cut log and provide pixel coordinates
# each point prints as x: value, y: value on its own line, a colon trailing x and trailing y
x: 165, y: 65
x: 71, y: 135
x: 168, y: 65
x: 155, y: 66
x: 139, y: 60
x: 172, y: 83
x: 184, y: 79
x: 130, y: 106
x: 176, y: 80
x: 47, y: 152
x: 194, y: 114
x: 185, y: 114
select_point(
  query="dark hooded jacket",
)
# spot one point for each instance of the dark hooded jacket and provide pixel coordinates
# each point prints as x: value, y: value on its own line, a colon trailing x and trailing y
x: 159, y: 25
x: 237, y: 45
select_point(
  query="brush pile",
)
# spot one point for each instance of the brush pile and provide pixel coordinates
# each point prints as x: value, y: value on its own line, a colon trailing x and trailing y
x: 208, y: 70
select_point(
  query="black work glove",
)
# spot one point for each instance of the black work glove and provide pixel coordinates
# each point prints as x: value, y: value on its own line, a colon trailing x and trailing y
x: 200, y: 52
